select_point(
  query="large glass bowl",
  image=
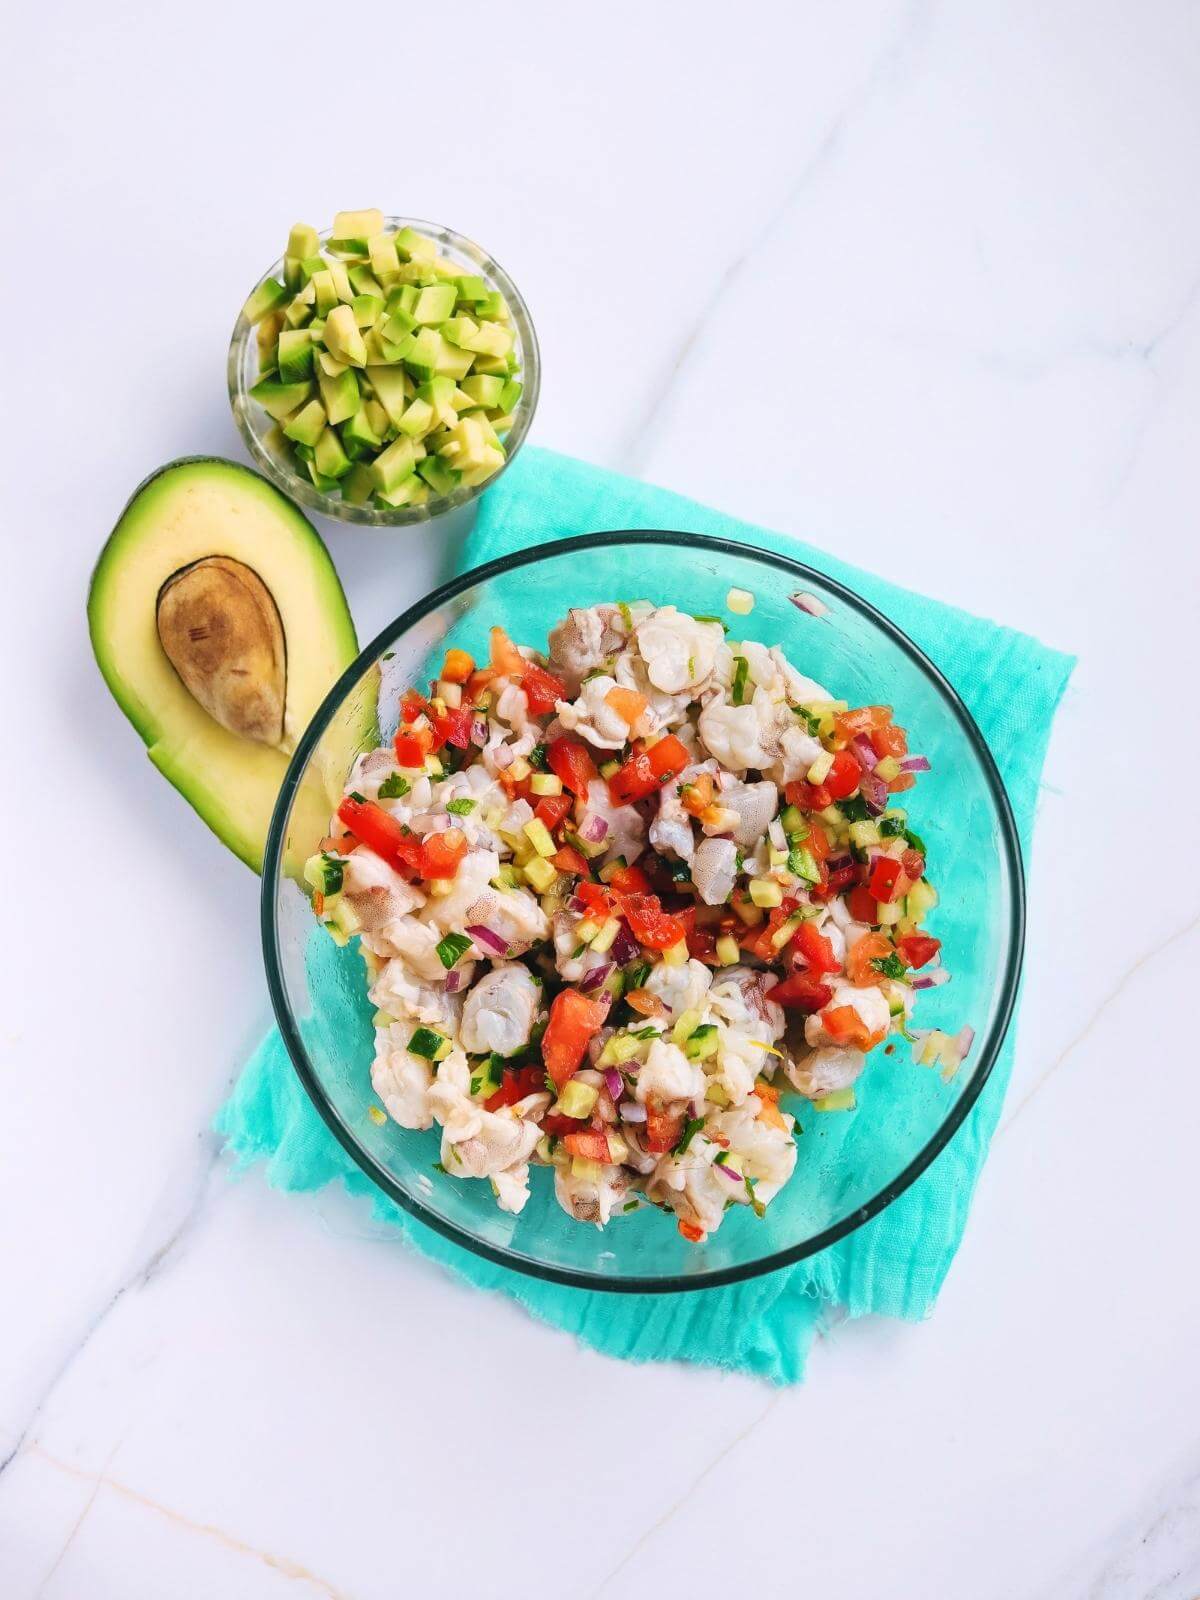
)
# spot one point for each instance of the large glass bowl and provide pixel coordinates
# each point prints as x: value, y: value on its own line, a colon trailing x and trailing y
x: 851, y: 1164
x: 270, y: 450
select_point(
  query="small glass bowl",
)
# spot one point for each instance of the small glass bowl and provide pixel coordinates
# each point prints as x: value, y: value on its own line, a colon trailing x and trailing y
x: 850, y: 1166
x: 260, y: 430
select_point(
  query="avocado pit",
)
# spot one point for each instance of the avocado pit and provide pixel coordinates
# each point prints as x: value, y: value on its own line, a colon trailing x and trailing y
x: 220, y: 629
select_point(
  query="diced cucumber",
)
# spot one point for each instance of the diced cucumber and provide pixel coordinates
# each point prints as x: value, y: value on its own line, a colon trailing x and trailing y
x: 703, y: 1043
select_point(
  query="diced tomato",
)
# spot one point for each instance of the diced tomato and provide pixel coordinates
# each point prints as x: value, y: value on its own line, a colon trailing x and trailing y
x: 556, y: 1125
x: 844, y: 1026
x: 627, y: 703
x: 902, y: 782
x: 913, y: 863
x: 412, y: 706
x: 441, y: 853
x: 841, y: 878
x: 807, y: 796
x: 453, y: 727
x: 318, y: 903
x: 647, y: 770
x: 505, y: 657
x: 816, y: 949
x: 570, y: 761
x: 769, y: 1111
x: 885, y: 875
x: 843, y: 776
x: 628, y: 880
x: 650, y: 924
x: 889, y: 740
x: 702, y: 946
x: 457, y: 667
x: 590, y: 1143
x: 690, y: 1231
x: 664, y: 1128
x: 861, y: 719
x: 861, y: 904
x: 514, y: 1086
x: 552, y: 808
x: 413, y: 743
x: 376, y: 828
x: 567, y: 859
x: 341, y: 845
x: 595, y: 897
x: 542, y: 689
x: 803, y: 991
x: 917, y: 948
x: 871, y: 947
x: 574, y: 1019
x: 817, y: 842
x: 478, y: 682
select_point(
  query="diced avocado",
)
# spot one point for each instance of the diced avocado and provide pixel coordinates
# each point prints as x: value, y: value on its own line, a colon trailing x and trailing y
x: 303, y: 241
x: 327, y: 365
x: 494, y: 307
x: 358, y: 485
x: 326, y: 291
x: 452, y: 362
x: 393, y: 465
x: 434, y: 304
x: 298, y: 313
x: 357, y: 428
x: 412, y: 245
x: 491, y: 365
x: 397, y: 326
x: 342, y: 338
x: 279, y: 400
x: 406, y: 493
x: 501, y: 421
x: 330, y: 460
x: 466, y: 445
x: 393, y: 389
x: 295, y: 355
x: 364, y: 281
x: 268, y: 297
x: 385, y: 263
x: 357, y: 224
x: 367, y: 309
x: 341, y: 282
x: 510, y: 395
x: 377, y: 418
x: 282, y: 616
x: 440, y: 477
x: 471, y: 289
x: 417, y: 420
x: 487, y: 468
x: 484, y: 390
x: 340, y: 396
x: 491, y: 339
x: 460, y: 330
x: 424, y: 351
x: 305, y: 427
x: 379, y: 352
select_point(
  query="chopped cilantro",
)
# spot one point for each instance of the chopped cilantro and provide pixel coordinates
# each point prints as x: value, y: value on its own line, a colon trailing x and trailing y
x: 812, y: 723
x: 891, y: 966
x: 854, y: 808
x: 649, y: 1032
x: 724, y: 626
x: 438, y: 1167
x: 537, y: 757
x: 354, y: 795
x: 460, y: 808
x: 636, y: 977
x: 741, y: 672
x: 690, y: 1129
x: 387, y: 655
x: 452, y: 948
x: 680, y: 871
x: 630, y: 1205
x: 626, y: 615
x: 394, y: 787
x: 757, y: 1206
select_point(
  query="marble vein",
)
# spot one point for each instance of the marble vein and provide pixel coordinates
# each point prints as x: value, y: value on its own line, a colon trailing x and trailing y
x: 143, y: 1273
x: 1105, y: 1005
x: 634, y: 452
x: 657, y: 1526
x: 282, y: 1564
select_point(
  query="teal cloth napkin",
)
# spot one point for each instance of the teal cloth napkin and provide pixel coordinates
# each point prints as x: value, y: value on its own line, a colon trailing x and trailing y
x: 896, y: 1263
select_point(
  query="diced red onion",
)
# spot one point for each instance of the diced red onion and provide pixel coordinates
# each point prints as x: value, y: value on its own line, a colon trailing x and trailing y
x: 625, y: 947
x: 613, y: 1080
x: 966, y: 1038
x: 593, y: 828
x: 931, y: 980
x: 804, y: 601
x: 915, y: 764
x: 488, y: 940
x: 874, y: 793
x: 836, y: 863
x: 862, y: 748
x: 479, y: 731
x: 731, y: 1173
x: 595, y: 976
x: 576, y: 905
x: 632, y: 1111
x: 503, y: 756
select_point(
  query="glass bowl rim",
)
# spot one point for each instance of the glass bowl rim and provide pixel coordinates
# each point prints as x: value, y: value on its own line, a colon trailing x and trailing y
x: 334, y: 507
x: 989, y: 1047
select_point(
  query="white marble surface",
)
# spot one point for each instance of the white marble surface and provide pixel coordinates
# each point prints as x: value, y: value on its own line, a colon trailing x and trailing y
x: 920, y: 282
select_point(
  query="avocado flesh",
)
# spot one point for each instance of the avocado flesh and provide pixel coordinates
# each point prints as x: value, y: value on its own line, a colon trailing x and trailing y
x: 179, y: 520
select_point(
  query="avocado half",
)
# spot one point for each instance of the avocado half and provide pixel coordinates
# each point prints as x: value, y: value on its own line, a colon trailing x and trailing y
x: 219, y: 623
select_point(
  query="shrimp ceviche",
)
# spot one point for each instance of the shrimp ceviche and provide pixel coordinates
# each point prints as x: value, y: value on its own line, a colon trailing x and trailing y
x: 616, y: 899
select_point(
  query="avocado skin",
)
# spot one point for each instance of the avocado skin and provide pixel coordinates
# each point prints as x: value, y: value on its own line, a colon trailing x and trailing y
x: 230, y: 782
